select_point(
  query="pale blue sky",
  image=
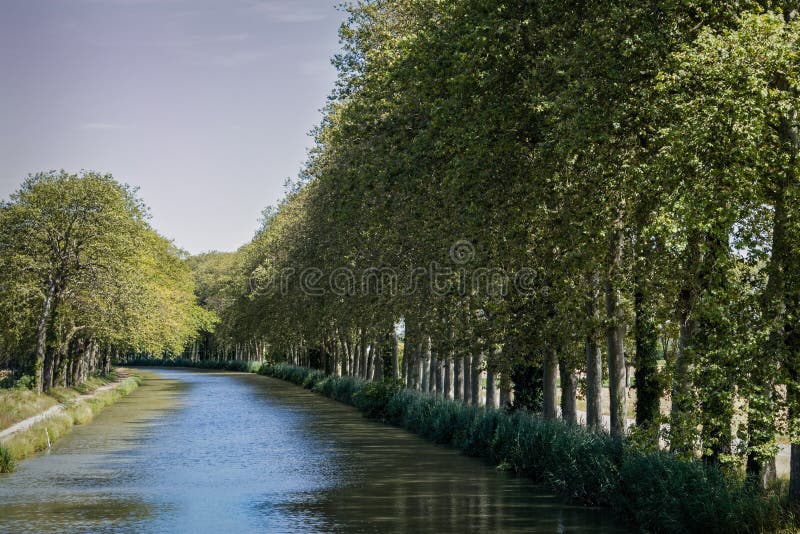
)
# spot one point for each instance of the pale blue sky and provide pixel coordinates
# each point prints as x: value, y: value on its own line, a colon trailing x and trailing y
x: 205, y: 105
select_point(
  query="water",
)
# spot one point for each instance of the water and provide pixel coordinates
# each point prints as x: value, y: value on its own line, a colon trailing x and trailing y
x: 210, y: 452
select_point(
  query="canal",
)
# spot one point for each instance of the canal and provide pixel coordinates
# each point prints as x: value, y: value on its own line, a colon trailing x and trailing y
x: 222, y: 452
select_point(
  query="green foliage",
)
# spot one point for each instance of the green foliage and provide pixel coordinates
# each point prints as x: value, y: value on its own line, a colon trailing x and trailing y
x: 373, y: 398
x: 665, y: 495
x: 342, y: 389
x: 24, y: 382
x: 7, y: 462
x: 83, y: 274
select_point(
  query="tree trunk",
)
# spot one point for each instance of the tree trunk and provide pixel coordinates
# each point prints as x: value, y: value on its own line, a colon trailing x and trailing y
x: 430, y: 367
x: 681, y: 380
x: 406, y: 375
x: 458, y: 372
x: 449, y: 371
x: 615, y: 339
x: 369, y: 357
x: 41, y: 335
x: 794, y: 476
x: 506, y: 390
x: 49, y: 361
x: 435, y: 390
x: 569, y: 392
x: 345, y: 356
x: 440, y: 363
x: 550, y: 369
x: 425, y: 357
x: 364, y: 356
x: 395, y: 355
x: 467, y: 372
x: 475, y: 379
x: 491, y: 388
x: 594, y: 358
x: 378, y: 365
x: 648, y: 389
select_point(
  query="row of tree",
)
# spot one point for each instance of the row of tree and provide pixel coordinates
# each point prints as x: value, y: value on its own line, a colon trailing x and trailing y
x: 84, y: 278
x: 549, y: 192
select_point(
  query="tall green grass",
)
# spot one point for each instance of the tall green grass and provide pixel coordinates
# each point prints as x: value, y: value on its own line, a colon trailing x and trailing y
x: 656, y: 492
x: 7, y: 462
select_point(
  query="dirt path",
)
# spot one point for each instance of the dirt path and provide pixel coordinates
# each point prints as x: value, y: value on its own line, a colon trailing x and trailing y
x: 25, y: 424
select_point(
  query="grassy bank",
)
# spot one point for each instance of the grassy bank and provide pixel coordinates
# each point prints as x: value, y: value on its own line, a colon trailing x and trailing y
x: 20, y: 402
x: 76, y: 412
x: 654, y: 492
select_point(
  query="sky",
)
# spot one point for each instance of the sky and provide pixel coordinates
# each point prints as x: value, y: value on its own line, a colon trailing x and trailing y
x: 204, y: 105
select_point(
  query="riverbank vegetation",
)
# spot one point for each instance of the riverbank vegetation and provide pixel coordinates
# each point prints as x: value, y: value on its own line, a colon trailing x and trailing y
x: 22, y: 403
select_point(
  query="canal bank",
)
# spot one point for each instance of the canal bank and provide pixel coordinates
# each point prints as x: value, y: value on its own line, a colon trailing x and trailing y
x: 37, y: 432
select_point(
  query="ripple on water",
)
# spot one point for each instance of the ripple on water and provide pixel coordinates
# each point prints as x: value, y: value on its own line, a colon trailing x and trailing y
x: 210, y: 452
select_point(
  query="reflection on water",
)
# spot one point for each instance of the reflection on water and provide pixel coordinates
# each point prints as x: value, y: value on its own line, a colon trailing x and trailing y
x: 207, y: 452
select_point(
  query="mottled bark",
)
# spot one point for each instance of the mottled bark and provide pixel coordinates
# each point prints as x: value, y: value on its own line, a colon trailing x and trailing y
x: 395, y: 355
x: 426, y: 367
x: 491, y: 388
x: 467, y: 373
x: 506, y: 390
x: 378, y: 363
x: 615, y: 337
x: 449, y: 371
x: 550, y: 370
x: 41, y: 334
x: 458, y: 378
x: 594, y: 357
x: 648, y: 388
x: 569, y: 392
x: 475, y: 380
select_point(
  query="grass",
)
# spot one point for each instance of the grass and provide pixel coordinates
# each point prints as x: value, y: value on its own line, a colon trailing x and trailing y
x: 19, y: 403
x: 77, y: 412
x: 7, y: 462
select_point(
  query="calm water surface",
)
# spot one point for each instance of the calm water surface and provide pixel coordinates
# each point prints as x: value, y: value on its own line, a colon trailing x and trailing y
x: 208, y: 452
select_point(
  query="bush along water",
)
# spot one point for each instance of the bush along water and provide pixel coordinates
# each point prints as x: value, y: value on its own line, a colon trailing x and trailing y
x: 7, y: 463
x: 657, y: 492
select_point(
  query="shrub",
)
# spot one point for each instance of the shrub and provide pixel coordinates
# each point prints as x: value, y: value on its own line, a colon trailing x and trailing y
x: 7, y: 462
x: 373, y: 398
x: 342, y: 389
x: 664, y: 494
x: 25, y: 382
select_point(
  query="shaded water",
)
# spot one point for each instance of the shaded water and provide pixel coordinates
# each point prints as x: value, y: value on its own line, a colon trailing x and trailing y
x: 207, y: 452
